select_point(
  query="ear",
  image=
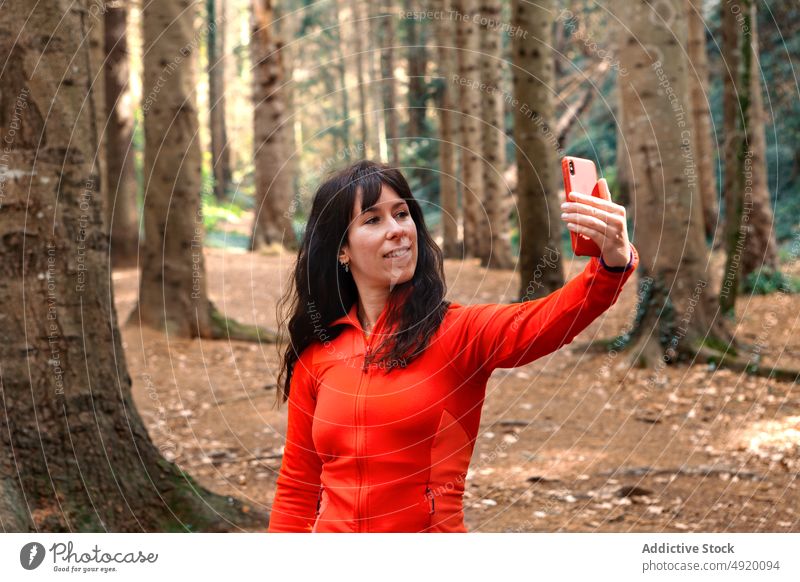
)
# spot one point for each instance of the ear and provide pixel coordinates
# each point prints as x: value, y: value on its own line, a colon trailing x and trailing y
x: 343, y: 256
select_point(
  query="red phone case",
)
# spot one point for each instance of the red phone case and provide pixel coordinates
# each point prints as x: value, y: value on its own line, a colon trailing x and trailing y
x: 582, y: 178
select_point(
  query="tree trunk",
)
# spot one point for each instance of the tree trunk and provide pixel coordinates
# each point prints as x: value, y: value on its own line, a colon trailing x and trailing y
x: 417, y: 65
x: 760, y: 251
x: 344, y: 19
x: 541, y: 270
x: 357, y: 11
x: 468, y: 57
x: 121, y: 209
x: 389, y: 85
x: 736, y: 104
x: 701, y: 116
x: 172, y: 286
x: 374, y: 84
x: 498, y: 255
x: 95, y: 23
x: 220, y: 154
x: 448, y: 191
x: 75, y: 453
x: 676, y: 316
x: 273, y: 180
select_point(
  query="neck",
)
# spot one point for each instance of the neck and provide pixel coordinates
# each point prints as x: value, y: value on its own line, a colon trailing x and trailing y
x: 370, y: 305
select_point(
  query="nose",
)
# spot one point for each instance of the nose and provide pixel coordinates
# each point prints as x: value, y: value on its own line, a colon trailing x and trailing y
x: 394, y: 229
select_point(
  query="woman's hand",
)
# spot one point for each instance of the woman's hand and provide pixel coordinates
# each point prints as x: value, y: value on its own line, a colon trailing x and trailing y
x: 602, y: 221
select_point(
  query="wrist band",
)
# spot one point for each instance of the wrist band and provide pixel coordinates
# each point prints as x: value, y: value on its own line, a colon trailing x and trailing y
x: 617, y: 269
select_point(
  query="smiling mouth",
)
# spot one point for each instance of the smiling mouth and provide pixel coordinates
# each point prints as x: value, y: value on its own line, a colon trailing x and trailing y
x: 397, y: 253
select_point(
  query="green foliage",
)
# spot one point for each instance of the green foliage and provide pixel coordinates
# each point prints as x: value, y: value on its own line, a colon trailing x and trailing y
x: 771, y: 281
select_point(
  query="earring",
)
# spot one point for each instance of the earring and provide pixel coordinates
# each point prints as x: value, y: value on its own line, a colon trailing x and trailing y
x: 346, y: 267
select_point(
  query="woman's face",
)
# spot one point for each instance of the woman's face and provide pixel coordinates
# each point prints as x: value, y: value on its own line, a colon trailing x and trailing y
x: 381, y: 246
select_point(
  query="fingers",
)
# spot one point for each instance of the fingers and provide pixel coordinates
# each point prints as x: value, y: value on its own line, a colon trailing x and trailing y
x: 595, y: 217
x: 596, y: 202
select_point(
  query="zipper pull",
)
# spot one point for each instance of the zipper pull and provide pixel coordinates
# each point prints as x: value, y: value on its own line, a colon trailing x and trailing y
x: 366, y: 356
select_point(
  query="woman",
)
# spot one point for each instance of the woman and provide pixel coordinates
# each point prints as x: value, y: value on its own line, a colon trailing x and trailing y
x: 385, y: 380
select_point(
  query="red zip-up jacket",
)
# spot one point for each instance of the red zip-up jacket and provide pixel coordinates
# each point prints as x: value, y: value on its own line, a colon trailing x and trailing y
x: 368, y: 451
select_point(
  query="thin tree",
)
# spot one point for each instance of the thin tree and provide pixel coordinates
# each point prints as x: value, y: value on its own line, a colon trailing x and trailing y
x: 448, y: 185
x: 389, y: 84
x: 272, y: 226
x: 494, y: 138
x: 121, y: 209
x: 701, y: 115
x: 75, y: 453
x: 215, y: 41
x: 468, y: 67
x: 761, y: 249
x: 540, y: 267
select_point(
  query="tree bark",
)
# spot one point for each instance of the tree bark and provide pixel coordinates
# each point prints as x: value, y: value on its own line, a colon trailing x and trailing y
x: 701, y: 116
x: 273, y: 180
x: 498, y: 255
x: 374, y: 49
x: 761, y: 248
x: 676, y: 317
x: 468, y: 65
x: 220, y: 154
x: 448, y: 134
x: 74, y: 453
x: 389, y: 86
x: 540, y: 265
x: 121, y: 208
x: 417, y: 67
x: 736, y: 104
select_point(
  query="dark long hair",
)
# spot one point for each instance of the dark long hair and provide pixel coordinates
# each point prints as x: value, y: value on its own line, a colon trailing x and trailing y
x: 322, y: 291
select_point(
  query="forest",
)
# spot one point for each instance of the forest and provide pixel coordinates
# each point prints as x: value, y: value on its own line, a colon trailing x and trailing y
x: 157, y: 168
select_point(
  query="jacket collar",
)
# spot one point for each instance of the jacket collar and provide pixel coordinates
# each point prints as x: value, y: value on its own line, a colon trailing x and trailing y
x: 351, y: 317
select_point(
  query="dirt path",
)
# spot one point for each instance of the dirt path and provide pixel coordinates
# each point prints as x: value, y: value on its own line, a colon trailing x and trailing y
x: 571, y: 442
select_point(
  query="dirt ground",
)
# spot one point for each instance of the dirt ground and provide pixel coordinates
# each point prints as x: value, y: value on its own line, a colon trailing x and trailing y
x: 572, y: 442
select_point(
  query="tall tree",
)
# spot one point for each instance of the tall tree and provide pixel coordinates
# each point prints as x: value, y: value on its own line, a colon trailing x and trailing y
x: 273, y: 180
x: 703, y: 151
x: 736, y: 104
x: 494, y: 142
x: 538, y: 173
x: 761, y: 248
x: 448, y: 185
x: 121, y: 209
x: 172, y: 283
x: 74, y: 453
x: 375, y: 85
x: 220, y: 154
x: 468, y: 66
x: 678, y: 314
x: 417, y: 68
x: 358, y: 13
x: 389, y: 85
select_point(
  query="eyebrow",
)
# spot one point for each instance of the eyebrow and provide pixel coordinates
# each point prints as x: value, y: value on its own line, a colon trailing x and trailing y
x: 395, y: 205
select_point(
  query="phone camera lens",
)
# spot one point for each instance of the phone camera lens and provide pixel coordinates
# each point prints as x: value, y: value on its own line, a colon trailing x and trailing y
x: 571, y: 168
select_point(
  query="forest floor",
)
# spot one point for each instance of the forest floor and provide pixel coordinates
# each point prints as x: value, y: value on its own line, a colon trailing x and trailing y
x: 573, y: 442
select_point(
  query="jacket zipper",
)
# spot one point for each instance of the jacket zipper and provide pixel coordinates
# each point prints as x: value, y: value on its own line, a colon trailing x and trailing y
x: 431, y: 503
x: 359, y: 448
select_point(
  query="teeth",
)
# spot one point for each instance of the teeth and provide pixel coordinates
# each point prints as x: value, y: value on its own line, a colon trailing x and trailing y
x: 396, y: 253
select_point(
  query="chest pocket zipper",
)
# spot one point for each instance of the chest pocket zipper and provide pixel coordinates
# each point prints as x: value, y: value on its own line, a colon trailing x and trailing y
x: 431, y: 502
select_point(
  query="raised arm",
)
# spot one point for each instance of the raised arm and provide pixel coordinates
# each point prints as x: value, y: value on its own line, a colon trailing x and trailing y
x: 295, y: 505
x: 506, y: 336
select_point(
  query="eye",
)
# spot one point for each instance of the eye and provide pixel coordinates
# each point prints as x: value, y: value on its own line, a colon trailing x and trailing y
x: 403, y: 213
x: 371, y: 220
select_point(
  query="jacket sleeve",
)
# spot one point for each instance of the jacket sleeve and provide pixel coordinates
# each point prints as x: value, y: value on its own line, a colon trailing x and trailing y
x: 506, y: 336
x: 295, y: 505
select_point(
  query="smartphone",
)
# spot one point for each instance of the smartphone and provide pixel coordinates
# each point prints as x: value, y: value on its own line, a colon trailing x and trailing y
x: 580, y: 175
